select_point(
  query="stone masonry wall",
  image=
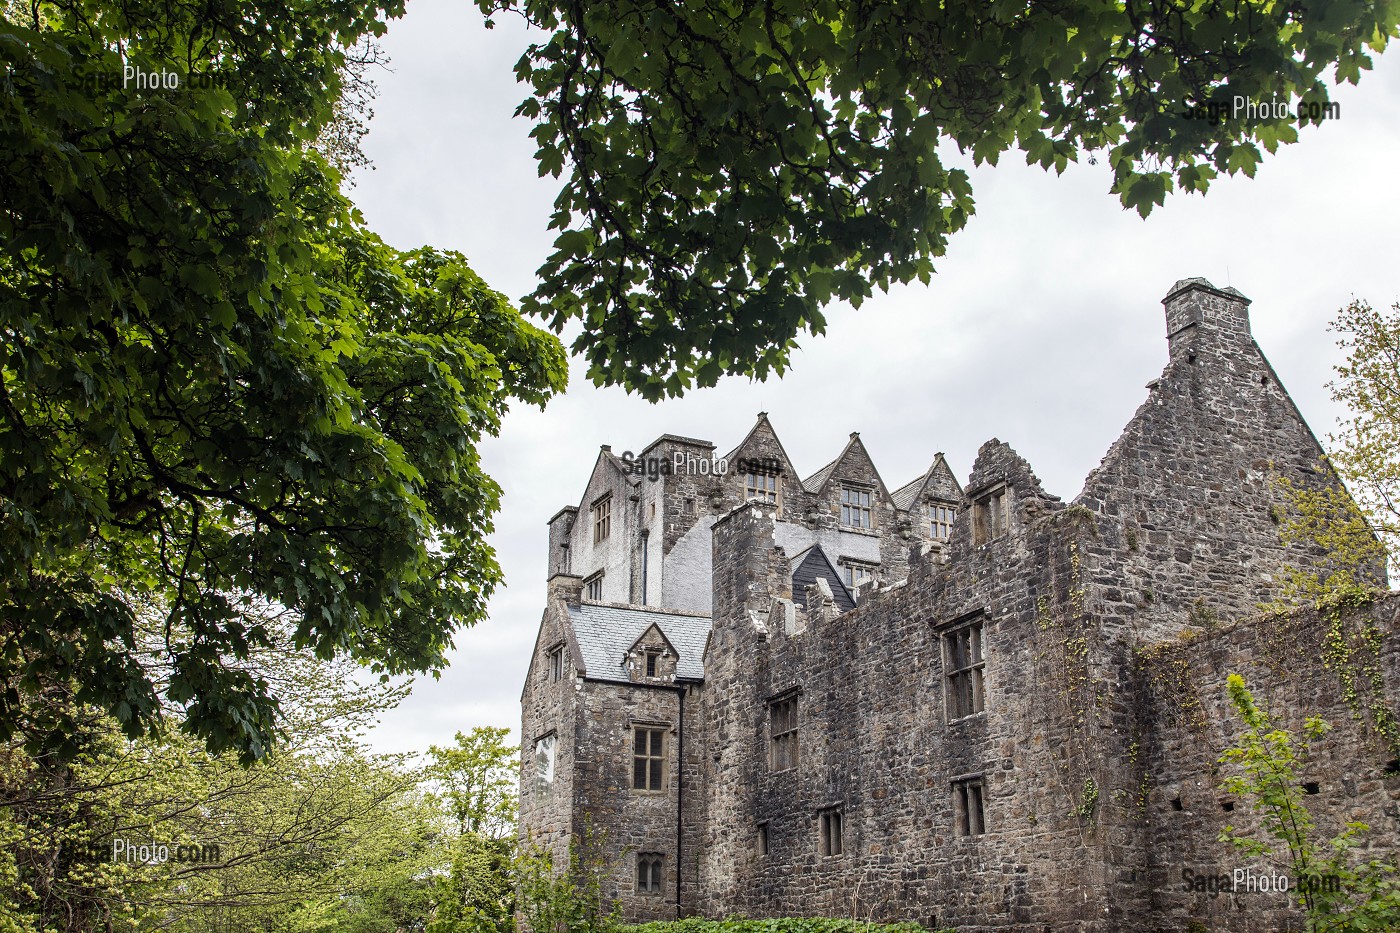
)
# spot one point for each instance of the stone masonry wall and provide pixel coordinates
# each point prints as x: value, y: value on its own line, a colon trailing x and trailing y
x: 626, y: 822
x: 1188, y: 722
x: 1108, y: 628
x: 1187, y: 504
x: 875, y: 740
x: 551, y: 707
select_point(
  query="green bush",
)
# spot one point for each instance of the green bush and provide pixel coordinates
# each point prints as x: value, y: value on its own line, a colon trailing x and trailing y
x: 779, y: 925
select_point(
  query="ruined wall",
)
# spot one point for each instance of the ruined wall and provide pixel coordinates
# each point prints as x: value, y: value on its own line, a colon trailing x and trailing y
x: 1101, y: 726
x: 1188, y: 721
x: 1189, y: 514
x: 876, y: 742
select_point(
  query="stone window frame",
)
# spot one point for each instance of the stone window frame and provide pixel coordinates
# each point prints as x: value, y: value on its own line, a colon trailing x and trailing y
x: 763, y: 838
x: 557, y: 655
x: 848, y: 565
x: 969, y: 805
x: 830, y: 832
x: 784, y: 747
x: 941, y: 515
x: 547, y: 743
x: 964, y: 684
x: 991, y: 513
x: 652, y: 661
x: 601, y: 510
x: 857, y: 501
x: 764, y: 486
x: 650, y: 880
x: 593, y: 586
x: 654, y: 762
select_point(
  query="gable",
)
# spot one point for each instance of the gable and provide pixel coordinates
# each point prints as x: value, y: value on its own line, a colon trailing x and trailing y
x: 937, y: 482
x: 606, y: 633
x: 854, y: 464
x: 762, y: 442
x: 807, y: 567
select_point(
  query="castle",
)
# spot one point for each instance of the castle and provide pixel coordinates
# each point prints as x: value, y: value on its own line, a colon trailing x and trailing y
x: 966, y: 705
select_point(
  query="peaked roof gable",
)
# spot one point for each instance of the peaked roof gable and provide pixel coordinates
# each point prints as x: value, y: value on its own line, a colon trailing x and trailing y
x: 818, y: 481
x: 762, y: 425
x: 938, y: 478
x: 643, y: 637
x: 809, y: 565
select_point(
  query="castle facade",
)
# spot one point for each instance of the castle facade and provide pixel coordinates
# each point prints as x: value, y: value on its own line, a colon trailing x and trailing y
x: 966, y: 705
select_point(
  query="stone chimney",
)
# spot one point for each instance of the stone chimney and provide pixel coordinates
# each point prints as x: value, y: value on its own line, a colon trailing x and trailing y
x: 567, y: 587
x: 561, y: 529
x: 750, y: 570
x: 1203, y: 319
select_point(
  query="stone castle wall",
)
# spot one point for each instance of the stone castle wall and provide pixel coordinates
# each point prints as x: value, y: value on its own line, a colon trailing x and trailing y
x: 1294, y: 671
x: 1108, y: 627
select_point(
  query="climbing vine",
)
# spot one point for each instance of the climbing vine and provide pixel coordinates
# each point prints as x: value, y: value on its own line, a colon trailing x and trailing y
x: 1164, y: 667
x: 1355, y: 657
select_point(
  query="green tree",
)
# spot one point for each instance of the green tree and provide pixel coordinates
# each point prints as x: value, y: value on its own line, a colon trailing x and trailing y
x: 733, y: 167
x: 1339, y: 894
x: 218, y: 390
x: 479, y: 778
x: 1356, y: 530
x: 319, y: 835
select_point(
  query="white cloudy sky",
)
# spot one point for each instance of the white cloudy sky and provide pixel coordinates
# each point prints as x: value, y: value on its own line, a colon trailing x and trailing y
x: 1041, y: 328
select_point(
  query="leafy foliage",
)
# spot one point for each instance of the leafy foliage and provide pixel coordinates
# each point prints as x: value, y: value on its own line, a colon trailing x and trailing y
x: 1366, y: 452
x: 1356, y: 530
x: 219, y: 391
x: 318, y: 835
x: 1338, y: 893
x: 568, y: 897
x: 733, y: 167
x: 479, y: 777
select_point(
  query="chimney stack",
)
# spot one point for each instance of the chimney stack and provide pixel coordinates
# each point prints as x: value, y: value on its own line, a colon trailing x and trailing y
x: 1204, y: 319
x: 567, y: 587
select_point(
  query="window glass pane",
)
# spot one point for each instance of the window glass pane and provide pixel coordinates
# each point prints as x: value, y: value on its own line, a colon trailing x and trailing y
x: 655, y: 774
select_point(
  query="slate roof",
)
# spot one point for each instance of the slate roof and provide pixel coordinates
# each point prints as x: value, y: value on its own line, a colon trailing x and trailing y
x: 811, y: 563
x: 814, y: 482
x: 905, y: 495
x: 605, y: 632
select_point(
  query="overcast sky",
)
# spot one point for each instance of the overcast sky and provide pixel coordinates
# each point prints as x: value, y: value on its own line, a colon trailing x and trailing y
x: 1041, y: 328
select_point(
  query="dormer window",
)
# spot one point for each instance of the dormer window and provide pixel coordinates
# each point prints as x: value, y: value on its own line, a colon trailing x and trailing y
x: 854, y: 573
x: 653, y: 660
x: 940, y: 520
x: 991, y: 515
x: 765, y: 487
x: 857, y: 507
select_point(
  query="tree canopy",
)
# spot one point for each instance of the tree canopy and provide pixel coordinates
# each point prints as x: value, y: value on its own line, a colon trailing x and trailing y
x: 733, y: 167
x: 219, y: 392
x: 1355, y: 529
